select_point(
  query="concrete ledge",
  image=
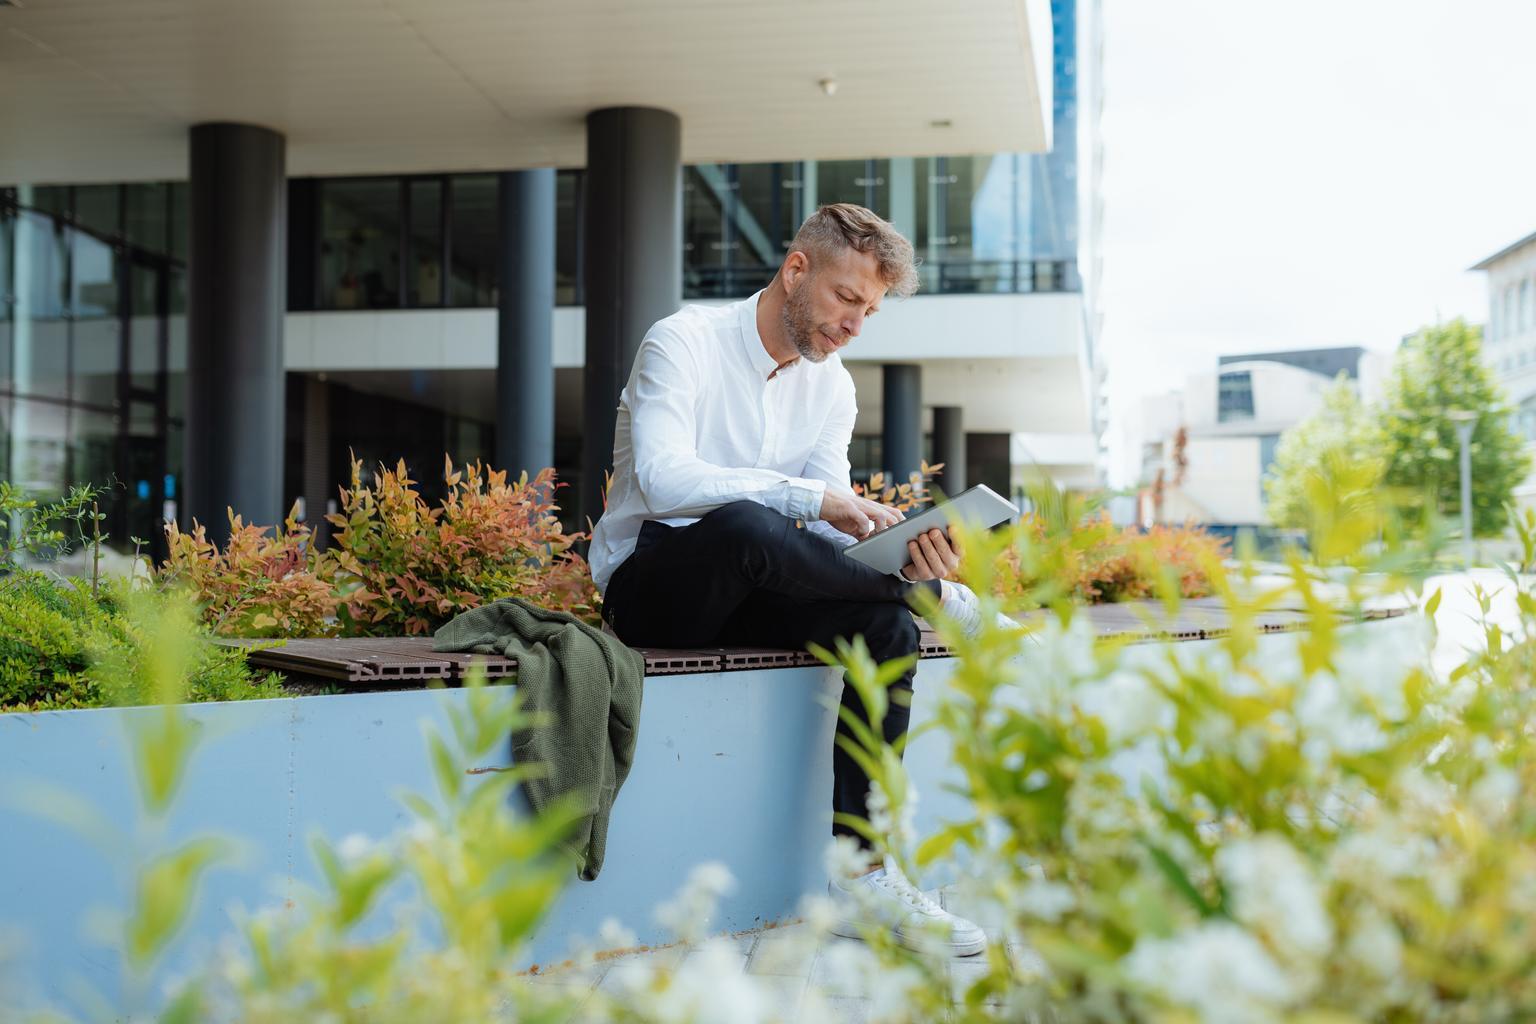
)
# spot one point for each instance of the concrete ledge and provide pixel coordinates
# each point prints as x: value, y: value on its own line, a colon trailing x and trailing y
x: 731, y: 766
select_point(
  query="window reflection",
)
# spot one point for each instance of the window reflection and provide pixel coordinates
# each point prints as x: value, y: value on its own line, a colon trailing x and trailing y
x: 40, y: 341
x: 145, y: 217
x: 425, y: 275
x: 973, y: 220
x: 472, y: 259
x: 360, y: 244
x: 568, y: 186
x: 97, y: 330
x: 98, y: 207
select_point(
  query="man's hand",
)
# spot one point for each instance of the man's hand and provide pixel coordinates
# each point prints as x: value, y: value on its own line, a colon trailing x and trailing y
x: 933, y: 557
x: 857, y: 517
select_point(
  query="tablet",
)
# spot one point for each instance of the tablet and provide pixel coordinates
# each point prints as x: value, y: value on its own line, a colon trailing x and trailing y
x: 979, y: 507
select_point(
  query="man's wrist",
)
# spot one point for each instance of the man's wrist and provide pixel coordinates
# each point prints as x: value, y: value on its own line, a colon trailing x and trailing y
x: 806, y: 496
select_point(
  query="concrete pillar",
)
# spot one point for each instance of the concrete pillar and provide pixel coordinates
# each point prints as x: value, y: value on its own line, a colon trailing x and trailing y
x: 632, y: 262
x: 902, y: 420
x: 525, y: 353
x: 237, y: 297
x: 949, y: 447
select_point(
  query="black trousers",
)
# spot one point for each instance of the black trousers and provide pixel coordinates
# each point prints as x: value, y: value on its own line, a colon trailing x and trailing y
x: 746, y: 575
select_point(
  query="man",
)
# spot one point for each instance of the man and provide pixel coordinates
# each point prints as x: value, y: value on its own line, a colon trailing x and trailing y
x: 735, y: 425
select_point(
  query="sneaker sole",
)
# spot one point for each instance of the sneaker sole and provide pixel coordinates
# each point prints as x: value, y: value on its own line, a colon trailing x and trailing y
x: 850, y: 930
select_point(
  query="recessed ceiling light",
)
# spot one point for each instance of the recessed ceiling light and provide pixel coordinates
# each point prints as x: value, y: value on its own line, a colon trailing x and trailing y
x: 828, y: 86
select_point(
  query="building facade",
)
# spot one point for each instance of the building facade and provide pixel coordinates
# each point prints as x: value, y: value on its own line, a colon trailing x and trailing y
x: 1207, y: 448
x: 1509, y: 341
x: 398, y: 292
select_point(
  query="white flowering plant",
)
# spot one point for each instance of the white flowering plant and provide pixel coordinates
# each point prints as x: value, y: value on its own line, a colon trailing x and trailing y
x: 1321, y: 826
x: 1327, y: 825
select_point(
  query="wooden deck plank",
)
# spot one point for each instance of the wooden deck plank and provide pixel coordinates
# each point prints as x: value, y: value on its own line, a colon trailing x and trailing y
x: 383, y: 660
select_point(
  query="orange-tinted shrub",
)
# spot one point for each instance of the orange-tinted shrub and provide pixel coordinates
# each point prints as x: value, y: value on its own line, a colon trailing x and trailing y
x: 395, y: 565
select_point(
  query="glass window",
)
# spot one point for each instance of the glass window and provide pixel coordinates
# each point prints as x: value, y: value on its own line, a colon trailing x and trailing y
x: 763, y: 220
x: 472, y: 269
x: 93, y: 456
x: 1511, y: 314
x: 1525, y: 305
x: 7, y: 234
x: 865, y: 182
x: 567, y: 237
x: 40, y: 333
x: 704, y: 255
x: 47, y: 198
x: 1234, y: 397
x: 144, y: 325
x: 38, y: 433
x: 360, y: 244
x: 98, y: 207
x: 425, y: 280
x: 146, y: 217
x: 179, y: 214
x: 97, y: 327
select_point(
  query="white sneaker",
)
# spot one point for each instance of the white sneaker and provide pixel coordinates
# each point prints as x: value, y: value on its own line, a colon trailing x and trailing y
x: 960, y: 603
x: 885, y: 898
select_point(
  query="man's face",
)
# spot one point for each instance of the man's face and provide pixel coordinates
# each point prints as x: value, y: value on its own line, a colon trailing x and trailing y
x: 829, y: 302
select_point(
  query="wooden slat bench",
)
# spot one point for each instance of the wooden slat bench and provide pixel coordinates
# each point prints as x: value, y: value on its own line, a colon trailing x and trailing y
x: 410, y: 661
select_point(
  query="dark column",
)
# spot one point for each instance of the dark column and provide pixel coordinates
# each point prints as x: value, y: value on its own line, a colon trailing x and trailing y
x: 525, y: 356
x: 949, y: 447
x: 236, y: 300
x: 902, y: 419
x: 632, y: 259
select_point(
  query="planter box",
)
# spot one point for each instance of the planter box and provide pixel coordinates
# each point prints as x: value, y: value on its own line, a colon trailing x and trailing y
x: 733, y: 767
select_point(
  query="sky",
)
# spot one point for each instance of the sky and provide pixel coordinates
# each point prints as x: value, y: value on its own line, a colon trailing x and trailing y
x: 1303, y: 175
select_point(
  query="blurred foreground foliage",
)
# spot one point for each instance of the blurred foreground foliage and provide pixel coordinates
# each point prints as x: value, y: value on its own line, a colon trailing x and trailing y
x: 1327, y: 825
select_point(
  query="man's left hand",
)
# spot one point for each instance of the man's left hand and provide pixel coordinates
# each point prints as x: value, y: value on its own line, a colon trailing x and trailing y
x: 933, y: 557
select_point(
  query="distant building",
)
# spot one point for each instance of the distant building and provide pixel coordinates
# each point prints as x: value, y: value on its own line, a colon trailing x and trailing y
x: 1509, y: 342
x: 1206, y: 449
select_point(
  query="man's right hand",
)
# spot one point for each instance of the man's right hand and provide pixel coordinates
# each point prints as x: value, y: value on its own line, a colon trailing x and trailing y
x: 857, y: 517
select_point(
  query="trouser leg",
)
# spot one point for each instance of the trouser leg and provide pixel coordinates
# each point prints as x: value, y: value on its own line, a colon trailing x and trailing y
x: 746, y: 575
x: 682, y: 584
x: 767, y: 620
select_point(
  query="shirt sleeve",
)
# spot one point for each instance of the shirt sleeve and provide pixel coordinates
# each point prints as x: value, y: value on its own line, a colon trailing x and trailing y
x: 828, y: 461
x: 672, y: 478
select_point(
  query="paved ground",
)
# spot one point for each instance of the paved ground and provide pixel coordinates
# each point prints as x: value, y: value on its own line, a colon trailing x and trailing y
x: 798, y: 978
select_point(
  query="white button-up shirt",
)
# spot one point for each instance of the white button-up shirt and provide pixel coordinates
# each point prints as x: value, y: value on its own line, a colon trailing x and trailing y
x: 705, y: 421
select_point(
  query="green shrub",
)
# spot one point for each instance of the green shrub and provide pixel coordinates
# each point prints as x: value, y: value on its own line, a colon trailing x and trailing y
x: 55, y: 639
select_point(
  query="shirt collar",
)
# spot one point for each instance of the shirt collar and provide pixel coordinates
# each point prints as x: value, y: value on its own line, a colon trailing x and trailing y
x: 762, y: 363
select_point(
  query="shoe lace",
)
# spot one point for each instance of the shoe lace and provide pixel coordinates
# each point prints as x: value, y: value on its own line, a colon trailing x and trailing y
x: 898, y: 884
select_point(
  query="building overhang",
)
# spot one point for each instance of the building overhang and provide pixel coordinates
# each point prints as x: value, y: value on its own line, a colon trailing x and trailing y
x: 105, y: 90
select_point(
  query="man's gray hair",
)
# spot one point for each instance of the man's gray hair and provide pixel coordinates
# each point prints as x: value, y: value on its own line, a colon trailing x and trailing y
x: 839, y: 226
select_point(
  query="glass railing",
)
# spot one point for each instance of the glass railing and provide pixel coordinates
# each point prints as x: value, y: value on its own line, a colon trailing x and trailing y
x: 946, y: 277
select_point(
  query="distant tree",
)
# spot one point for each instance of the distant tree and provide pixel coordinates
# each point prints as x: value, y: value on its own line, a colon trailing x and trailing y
x: 1436, y: 371
x: 1339, y: 448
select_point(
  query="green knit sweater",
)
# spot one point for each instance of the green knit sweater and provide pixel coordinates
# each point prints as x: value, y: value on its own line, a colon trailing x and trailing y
x: 585, y: 684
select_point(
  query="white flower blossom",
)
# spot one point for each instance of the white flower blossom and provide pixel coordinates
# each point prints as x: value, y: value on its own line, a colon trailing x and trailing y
x: 688, y: 914
x: 1273, y: 892
x: 1218, y: 970
x: 1045, y: 901
x: 355, y: 847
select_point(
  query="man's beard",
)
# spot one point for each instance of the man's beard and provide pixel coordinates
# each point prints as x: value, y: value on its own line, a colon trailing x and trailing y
x: 800, y: 324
